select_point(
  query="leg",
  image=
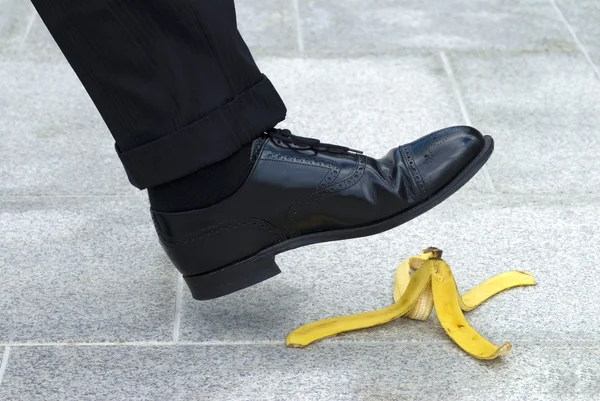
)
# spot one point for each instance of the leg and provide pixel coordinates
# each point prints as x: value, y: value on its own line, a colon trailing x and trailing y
x: 180, y: 93
x: 173, y: 80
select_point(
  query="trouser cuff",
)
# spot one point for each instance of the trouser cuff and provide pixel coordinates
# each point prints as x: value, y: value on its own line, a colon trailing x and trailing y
x: 206, y: 141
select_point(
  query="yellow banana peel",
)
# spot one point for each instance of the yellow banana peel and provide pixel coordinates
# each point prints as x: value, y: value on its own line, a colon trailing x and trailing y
x: 430, y: 285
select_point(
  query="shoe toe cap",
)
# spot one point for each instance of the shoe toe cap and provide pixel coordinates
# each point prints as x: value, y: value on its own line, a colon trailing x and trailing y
x: 440, y: 156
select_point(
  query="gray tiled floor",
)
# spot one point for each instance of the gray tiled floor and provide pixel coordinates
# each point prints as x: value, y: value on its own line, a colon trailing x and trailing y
x: 39, y: 47
x: 268, y: 26
x: 582, y: 15
x: 15, y: 18
x: 544, y: 111
x: 91, y: 309
x: 64, y: 280
x: 272, y: 372
x: 381, y: 27
x: 53, y: 140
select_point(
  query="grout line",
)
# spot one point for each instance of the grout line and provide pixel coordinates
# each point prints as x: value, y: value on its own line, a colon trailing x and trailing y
x: 70, y: 196
x: 145, y: 343
x: 463, y: 109
x: 4, y: 363
x: 92, y: 344
x: 488, y: 179
x: 228, y: 343
x: 296, y: 7
x: 576, y: 39
x: 27, y: 31
x: 586, y: 343
x: 178, y: 297
x: 457, y: 94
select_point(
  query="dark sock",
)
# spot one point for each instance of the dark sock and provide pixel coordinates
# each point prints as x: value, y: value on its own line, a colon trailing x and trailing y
x: 207, y: 186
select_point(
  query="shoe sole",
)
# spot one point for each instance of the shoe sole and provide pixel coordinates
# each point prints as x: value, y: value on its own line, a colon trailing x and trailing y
x: 262, y: 266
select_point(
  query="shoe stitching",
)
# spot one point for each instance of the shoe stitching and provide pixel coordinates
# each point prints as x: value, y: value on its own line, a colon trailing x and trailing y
x: 418, y: 182
x: 271, y: 156
x: 302, y: 164
x: 220, y: 228
x: 329, y: 178
x: 436, y: 142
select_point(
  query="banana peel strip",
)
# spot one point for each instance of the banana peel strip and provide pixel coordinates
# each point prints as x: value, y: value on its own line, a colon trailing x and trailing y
x: 451, y: 317
x: 321, y: 329
x: 502, y: 282
x: 431, y: 284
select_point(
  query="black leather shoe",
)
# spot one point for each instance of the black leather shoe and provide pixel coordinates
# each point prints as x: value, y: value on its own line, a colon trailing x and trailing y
x: 302, y: 192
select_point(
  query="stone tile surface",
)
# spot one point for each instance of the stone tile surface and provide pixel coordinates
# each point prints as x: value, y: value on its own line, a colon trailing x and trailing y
x: 14, y: 19
x: 583, y: 16
x: 483, y: 236
x: 82, y: 269
x: 268, y: 26
x: 372, y: 103
x: 40, y: 47
x: 382, y: 27
x: 53, y: 139
x: 271, y: 372
x: 544, y: 112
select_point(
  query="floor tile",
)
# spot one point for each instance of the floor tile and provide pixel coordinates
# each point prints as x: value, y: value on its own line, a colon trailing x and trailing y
x: 583, y: 16
x: 271, y: 372
x: 544, y: 112
x: 15, y: 16
x: 40, y: 46
x: 482, y: 235
x: 382, y: 27
x: 82, y: 269
x: 54, y: 141
x: 268, y: 26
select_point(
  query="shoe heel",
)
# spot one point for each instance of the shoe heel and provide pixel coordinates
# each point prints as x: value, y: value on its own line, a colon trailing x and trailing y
x: 231, y: 278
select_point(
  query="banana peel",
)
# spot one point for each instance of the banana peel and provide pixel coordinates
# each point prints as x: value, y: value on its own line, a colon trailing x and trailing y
x: 422, y: 283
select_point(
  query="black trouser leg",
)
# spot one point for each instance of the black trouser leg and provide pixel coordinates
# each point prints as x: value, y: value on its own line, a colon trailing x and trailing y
x: 173, y: 80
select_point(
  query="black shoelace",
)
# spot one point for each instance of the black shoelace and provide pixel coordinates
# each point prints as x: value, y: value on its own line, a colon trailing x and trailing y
x: 287, y: 137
